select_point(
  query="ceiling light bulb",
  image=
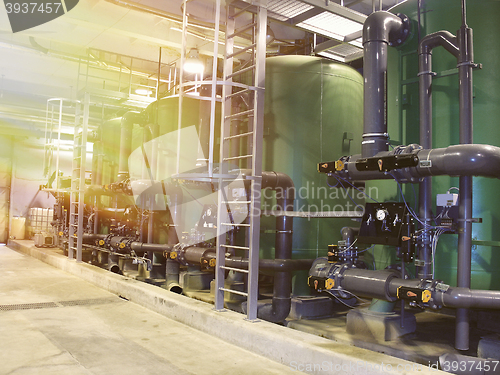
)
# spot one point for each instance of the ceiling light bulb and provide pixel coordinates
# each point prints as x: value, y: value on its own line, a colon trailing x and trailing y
x: 193, y: 64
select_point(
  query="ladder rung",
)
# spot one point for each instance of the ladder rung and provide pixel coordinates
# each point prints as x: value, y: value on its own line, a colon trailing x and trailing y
x: 234, y: 292
x: 241, y: 92
x: 238, y: 136
x: 240, y: 12
x: 235, y: 247
x: 236, y: 225
x: 240, y: 51
x: 238, y: 157
x: 239, y: 114
x: 73, y: 248
x: 230, y: 202
x: 234, y: 269
x: 241, y: 71
x: 241, y: 29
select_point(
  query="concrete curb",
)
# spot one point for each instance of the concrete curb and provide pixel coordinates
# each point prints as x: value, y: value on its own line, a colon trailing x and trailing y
x: 298, y: 350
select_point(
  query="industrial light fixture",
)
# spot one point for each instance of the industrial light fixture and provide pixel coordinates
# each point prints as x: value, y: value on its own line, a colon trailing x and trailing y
x: 193, y: 64
x: 144, y: 92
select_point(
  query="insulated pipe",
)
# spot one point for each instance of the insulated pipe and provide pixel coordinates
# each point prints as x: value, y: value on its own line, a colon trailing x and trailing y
x: 449, y: 42
x: 128, y: 120
x: 380, y: 30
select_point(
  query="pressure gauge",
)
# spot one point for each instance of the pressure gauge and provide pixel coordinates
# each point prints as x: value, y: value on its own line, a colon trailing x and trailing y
x: 381, y: 214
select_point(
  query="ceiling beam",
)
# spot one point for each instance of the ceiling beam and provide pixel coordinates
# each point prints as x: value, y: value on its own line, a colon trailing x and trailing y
x: 337, y: 9
x: 304, y: 16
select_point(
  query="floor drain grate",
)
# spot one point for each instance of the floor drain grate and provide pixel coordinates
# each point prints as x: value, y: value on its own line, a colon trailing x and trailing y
x: 94, y: 301
x: 47, y: 305
x: 28, y: 306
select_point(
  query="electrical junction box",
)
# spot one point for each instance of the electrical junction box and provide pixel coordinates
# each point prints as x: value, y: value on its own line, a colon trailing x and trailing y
x: 447, y: 200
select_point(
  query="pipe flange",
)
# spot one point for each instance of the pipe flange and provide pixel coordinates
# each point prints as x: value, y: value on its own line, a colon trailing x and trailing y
x: 403, y: 34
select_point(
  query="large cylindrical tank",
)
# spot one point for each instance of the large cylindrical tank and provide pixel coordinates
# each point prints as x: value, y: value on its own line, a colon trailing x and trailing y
x: 436, y: 15
x: 313, y: 113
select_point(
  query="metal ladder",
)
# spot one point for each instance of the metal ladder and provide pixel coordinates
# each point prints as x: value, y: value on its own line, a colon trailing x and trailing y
x: 78, y: 181
x: 250, y: 157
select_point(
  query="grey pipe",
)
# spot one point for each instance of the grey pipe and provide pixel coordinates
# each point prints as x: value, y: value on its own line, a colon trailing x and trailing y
x: 172, y: 276
x: 113, y: 264
x: 456, y: 160
x: 349, y: 234
x: 380, y: 30
x: 285, y: 195
x: 449, y: 42
x: 465, y: 64
x: 273, y: 265
x: 128, y: 120
x: 369, y: 283
x: 469, y: 298
x: 172, y: 271
x: 384, y: 284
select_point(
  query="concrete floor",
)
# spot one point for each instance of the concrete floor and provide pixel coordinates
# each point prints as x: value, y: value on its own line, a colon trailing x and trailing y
x: 81, y: 325
x: 54, y: 323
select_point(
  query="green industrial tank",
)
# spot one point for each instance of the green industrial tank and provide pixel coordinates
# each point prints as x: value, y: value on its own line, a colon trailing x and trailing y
x: 313, y: 113
x: 403, y: 119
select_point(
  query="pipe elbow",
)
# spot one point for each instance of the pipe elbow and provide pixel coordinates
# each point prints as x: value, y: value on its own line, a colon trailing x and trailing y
x: 276, y: 312
x: 386, y: 27
x: 278, y: 180
x: 133, y: 117
x: 441, y: 38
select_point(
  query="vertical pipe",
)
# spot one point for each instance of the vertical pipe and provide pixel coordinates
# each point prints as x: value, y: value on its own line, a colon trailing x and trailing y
x: 379, y: 30
x: 59, y: 142
x: 425, y: 189
x: 181, y: 80
x: 214, y: 90
x: 375, y: 128
x: 159, y: 74
x: 465, y: 64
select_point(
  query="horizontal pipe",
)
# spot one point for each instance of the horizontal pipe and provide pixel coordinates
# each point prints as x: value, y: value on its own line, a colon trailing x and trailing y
x: 456, y: 160
x: 275, y: 265
x: 369, y: 283
x: 461, y: 160
x: 469, y: 298
x: 152, y: 247
x: 384, y: 284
